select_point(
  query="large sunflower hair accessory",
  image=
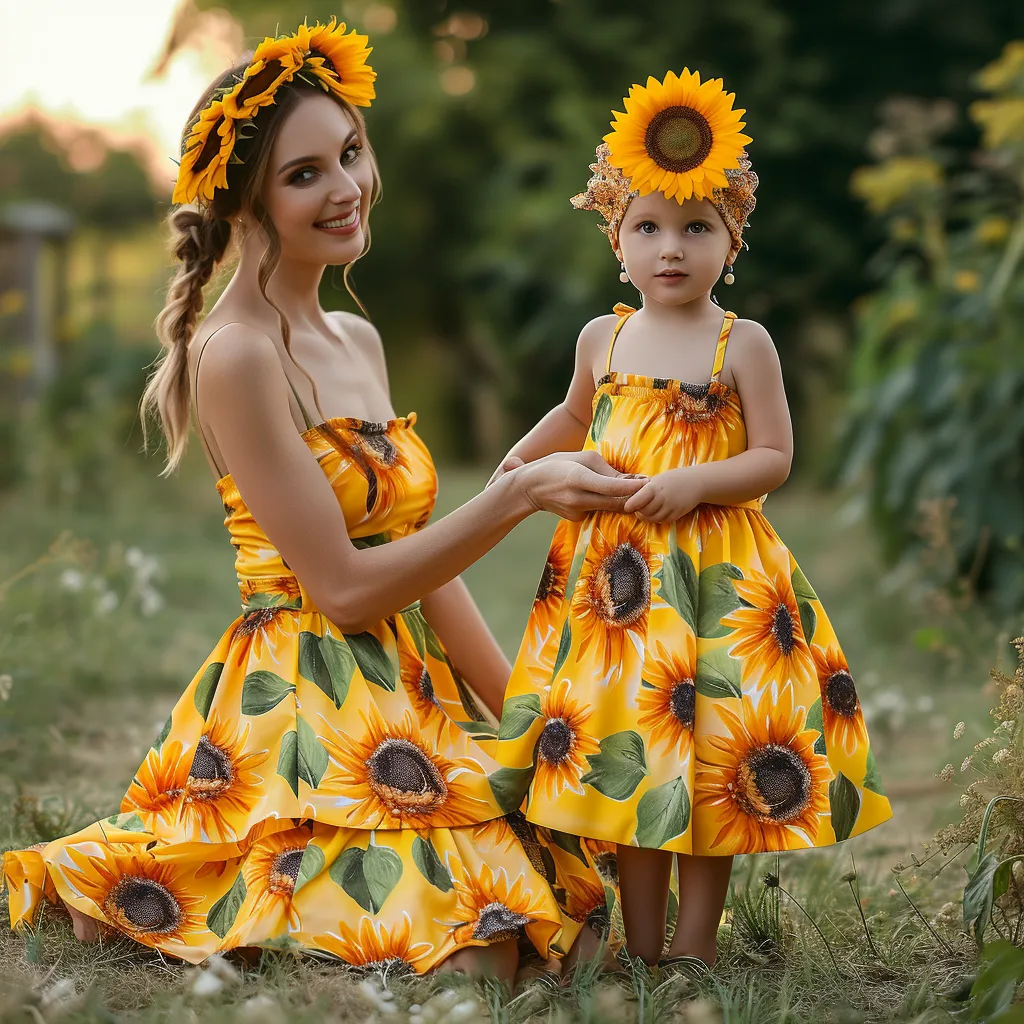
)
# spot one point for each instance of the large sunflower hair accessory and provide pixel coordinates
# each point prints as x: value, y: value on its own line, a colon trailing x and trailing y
x: 677, y: 136
x: 320, y: 55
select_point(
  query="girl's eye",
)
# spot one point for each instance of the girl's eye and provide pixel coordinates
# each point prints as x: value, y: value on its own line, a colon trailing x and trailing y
x: 303, y: 176
x: 351, y: 155
x: 648, y: 227
x: 698, y: 227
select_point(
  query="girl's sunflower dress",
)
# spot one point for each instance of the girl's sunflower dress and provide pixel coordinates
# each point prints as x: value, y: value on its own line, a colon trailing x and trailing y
x: 321, y: 791
x: 679, y: 686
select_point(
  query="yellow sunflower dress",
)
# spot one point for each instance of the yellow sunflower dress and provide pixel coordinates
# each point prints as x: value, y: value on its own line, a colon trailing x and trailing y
x: 679, y: 686
x: 317, y: 790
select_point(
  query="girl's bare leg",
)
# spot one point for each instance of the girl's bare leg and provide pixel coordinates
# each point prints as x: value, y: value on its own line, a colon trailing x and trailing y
x: 87, y: 929
x: 643, y: 887
x: 497, y: 960
x: 703, y: 885
x: 589, y: 943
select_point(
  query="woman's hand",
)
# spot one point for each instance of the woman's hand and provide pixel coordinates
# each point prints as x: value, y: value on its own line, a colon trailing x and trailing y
x: 667, y: 497
x: 571, y: 484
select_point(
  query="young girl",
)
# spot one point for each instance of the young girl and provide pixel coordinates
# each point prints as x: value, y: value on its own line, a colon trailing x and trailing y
x: 679, y: 689
x: 322, y: 784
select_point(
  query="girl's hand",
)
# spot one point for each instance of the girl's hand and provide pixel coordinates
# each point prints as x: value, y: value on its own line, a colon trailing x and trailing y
x: 511, y: 462
x: 666, y: 497
x: 572, y: 484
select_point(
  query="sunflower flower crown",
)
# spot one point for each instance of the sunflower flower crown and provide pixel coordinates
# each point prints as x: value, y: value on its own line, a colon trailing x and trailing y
x: 679, y: 137
x: 319, y: 55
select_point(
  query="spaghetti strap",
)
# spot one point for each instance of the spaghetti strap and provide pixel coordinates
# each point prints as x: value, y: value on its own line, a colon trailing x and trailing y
x: 624, y: 312
x: 307, y: 419
x: 723, y: 339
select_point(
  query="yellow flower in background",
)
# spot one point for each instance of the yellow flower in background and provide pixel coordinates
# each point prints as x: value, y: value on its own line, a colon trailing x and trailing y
x: 966, y: 281
x: 992, y: 231
x: 1006, y: 72
x: 903, y: 229
x: 1001, y: 120
x: 902, y: 311
x: 677, y: 136
x: 885, y: 185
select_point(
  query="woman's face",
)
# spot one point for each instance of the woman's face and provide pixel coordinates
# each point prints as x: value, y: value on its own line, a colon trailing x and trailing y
x: 673, y: 252
x: 318, y: 184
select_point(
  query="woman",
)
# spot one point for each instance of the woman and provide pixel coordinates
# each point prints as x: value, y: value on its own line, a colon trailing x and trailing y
x: 324, y: 783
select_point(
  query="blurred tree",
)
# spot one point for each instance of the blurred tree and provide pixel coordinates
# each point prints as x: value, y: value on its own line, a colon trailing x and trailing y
x: 937, y: 409
x: 488, y: 117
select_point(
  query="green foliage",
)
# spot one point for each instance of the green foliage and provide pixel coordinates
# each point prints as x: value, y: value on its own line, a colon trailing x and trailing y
x: 937, y: 409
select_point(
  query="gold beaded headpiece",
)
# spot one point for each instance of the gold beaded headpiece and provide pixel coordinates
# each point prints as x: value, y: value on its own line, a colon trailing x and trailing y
x: 321, y: 55
x: 677, y: 137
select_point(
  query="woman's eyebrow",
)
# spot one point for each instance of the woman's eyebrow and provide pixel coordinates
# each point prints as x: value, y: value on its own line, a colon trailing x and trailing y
x: 313, y: 159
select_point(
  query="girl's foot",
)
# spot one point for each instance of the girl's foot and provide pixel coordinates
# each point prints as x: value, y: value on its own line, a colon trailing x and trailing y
x: 87, y: 929
x: 498, y: 960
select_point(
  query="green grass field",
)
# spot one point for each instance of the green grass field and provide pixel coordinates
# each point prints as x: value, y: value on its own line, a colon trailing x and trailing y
x: 99, y: 642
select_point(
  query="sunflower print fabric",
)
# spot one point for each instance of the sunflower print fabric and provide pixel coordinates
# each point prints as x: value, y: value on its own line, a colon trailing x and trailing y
x: 321, y: 791
x: 680, y: 686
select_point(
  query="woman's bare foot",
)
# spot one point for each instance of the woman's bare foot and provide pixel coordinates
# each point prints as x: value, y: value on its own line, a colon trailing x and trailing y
x: 87, y: 929
x: 497, y: 960
x: 588, y: 945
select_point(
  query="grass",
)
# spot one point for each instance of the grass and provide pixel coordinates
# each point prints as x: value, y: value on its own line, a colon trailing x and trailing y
x: 89, y: 689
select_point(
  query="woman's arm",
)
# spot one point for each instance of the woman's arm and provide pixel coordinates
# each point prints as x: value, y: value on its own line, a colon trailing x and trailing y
x: 565, y: 427
x: 244, y: 391
x: 454, y: 616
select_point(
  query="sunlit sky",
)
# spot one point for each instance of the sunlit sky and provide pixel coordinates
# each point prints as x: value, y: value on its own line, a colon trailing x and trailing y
x: 91, y: 62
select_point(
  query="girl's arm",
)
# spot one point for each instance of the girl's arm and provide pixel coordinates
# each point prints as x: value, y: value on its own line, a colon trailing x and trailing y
x: 764, y: 465
x: 243, y: 387
x: 454, y: 616
x: 565, y: 427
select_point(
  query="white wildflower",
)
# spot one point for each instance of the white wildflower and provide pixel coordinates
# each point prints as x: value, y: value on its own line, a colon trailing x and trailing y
x: 261, y: 1009
x: 150, y: 601
x: 467, y: 1010
x: 72, y: 579
x: 107, y: 603
x: 59, y: 998
x: 227, y: 973
x: 381, y: 998
x: 6, y: 682
x: 959, y: 730
x: 925, y: 703
x: 1000, y: 755
x: 206, y: 984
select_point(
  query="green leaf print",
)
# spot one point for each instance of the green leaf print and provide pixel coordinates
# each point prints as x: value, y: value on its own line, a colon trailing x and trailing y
x: 872, y: 778
x: 679, y: 583
x: 716, y: 598
x: 617, y: 770
x: 372, y: 660
x: 808, y: 620
x: 844, y: 798
x: 662, y: 814
x: 803, y: 590
x: 312, y: 864
x: 569, y: 843
x: 223, y: 913
x: 479, y: 730
x: 814, y: 721
x: 164, y: 733
x: 718, y: 674
x: 288, y: 760
x: 311, y: 662
x: 129, y: 821
x: 375, y: 540
x: 262, y: 691
x: 369, y: 875
x: 564, y: 645
x: 206, y: 688
x: 509, y: 786
x: 416, y: 623
x: 518, y: 714
x: 341, y: 666
x: 602, y: 414
x: 430, y: 865
x: 312, y: 759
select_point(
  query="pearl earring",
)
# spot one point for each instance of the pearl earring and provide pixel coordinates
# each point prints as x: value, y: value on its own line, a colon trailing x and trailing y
x: 623, y: 276
x: 730, y: 277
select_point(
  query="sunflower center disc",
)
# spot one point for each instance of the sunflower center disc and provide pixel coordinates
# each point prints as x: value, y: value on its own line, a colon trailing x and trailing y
x: 629, y: 585
x: 288, y: 863
x: 146, y: 904
x: 426, y: 685
x: 683, y: 702
x: 782, y: 780
x: 210, y: 763
x: 607, y: 865
x: 783, y: 628
x: 841, y: 694
x: 381, y: 446
x: 678, y: 139
x: 555, y: 741
x: 497, y: 922
x: 401, y: 766
x: 549, y: 581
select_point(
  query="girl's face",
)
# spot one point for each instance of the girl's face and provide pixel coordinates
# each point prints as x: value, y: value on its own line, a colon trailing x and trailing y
x: 318, y: 184
x: 674, y: 253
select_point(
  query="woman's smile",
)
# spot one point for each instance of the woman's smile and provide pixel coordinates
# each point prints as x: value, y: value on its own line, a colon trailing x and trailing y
x: 346, y: 225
